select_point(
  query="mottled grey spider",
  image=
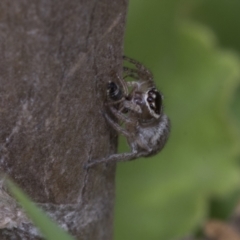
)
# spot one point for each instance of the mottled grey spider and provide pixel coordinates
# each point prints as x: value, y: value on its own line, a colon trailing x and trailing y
x: 137, y: 106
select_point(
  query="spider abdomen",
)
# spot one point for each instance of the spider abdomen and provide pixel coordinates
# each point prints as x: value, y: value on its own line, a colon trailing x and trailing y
x: 154, y: 136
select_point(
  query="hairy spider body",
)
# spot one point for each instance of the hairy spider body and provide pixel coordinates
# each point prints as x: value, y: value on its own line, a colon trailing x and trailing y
x: 149, y: 138
x: 137, y: 106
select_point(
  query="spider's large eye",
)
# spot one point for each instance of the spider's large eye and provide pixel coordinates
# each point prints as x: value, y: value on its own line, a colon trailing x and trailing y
x: 154, y: 100
x: 114, y: 92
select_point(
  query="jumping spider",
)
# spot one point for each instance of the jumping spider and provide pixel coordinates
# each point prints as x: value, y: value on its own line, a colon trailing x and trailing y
x: 137, y: 105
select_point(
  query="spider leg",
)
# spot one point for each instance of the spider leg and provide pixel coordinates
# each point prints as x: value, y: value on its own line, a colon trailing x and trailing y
x: 132, y: 107
x: 131, y: 75
x: 141, y: 70
x: 120, y: 157
x: 128, y: 70
x: 116, y: 126
x: 122, y: 117
x: 138, y: 65
x: 133, y: 61
x: 124, y: 85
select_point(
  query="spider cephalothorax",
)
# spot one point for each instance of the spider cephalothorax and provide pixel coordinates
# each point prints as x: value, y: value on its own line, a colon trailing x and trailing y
x: 137, y: 106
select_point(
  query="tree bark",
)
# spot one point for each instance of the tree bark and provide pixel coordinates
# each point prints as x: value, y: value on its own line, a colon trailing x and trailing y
x: 56, y: 58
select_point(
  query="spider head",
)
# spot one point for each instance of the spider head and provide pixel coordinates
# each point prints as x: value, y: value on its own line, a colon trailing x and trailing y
x: 150, y: 102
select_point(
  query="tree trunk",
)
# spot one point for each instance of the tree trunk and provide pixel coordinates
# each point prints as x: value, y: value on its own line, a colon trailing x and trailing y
x: 55, y: 60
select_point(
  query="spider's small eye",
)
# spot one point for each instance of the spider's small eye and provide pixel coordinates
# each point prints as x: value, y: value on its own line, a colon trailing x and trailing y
x: 152, y: 106
x: 113, y: 91
x: 152, y: 94
x: 150, y: 99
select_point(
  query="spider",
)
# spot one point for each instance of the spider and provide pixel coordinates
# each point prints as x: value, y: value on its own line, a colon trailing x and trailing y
x: 137, y: 106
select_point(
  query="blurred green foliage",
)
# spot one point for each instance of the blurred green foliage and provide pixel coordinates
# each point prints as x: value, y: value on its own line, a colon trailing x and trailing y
x: 192, y: 48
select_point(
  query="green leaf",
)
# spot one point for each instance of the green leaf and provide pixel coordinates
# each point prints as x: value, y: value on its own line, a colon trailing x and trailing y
x: 167, y: 196
x: 49, y: 229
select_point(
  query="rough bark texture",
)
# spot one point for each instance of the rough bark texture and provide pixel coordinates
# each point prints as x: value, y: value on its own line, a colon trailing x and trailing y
x: 55, y: 60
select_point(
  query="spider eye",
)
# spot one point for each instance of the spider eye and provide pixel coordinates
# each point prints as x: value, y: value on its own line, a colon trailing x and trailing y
x: 113, y: 91
x: 150, y: 99
x: 158, y: 102
x: 154, y: 100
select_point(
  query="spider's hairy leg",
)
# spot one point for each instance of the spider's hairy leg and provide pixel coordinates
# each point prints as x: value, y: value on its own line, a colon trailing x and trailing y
x: 120, y: 157
x: 124, y: 85
x: 139, y: 74
x: 116, y: 126
x: 132, y: 107
x: 133, y: 61
x: 138, y: 65
x: 122, y: 117
x: 131, y: 75
x: 132, y: 71
x: 142, y: 72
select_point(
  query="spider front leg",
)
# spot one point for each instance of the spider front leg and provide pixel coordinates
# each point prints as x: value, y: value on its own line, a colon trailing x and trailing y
x: 121, y: 130
x: 131, y: 106
x: 120, y: 157
x: 124, y: 85
x: 133, y: 61
x: 121, y: 116
x: 140, y: 67
x: 129, y: 72
x: 116, y: 126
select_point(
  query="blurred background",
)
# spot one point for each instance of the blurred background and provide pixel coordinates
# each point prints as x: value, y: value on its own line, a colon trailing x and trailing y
x: 192, y: 47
